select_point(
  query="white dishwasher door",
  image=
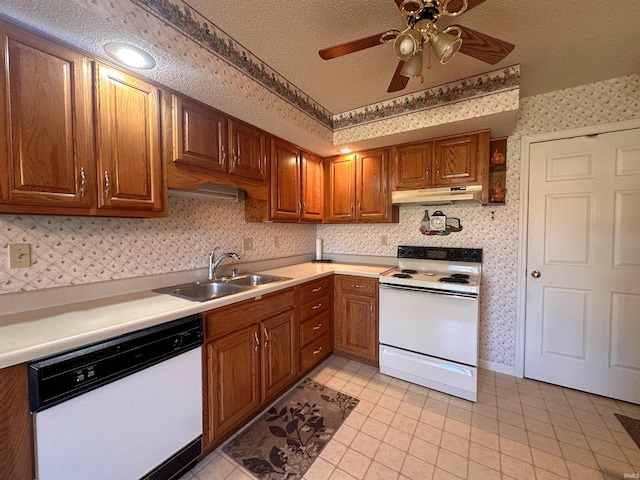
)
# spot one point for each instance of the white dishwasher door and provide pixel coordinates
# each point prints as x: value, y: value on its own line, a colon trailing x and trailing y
x: 124, y: 429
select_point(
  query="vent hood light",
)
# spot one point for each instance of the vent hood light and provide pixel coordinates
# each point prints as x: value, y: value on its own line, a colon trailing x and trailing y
x: 130, y: 56
x: 209, y: 191
x: 471, y: 195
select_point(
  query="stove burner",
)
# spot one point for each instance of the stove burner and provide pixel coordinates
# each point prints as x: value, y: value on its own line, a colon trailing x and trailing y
x: 460, y: 275
x: 401, y: 275
x: 453, y: 279
x: 409, y: 271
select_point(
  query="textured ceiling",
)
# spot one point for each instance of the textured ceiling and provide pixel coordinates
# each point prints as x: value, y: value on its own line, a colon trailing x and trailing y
x: 558, y: 45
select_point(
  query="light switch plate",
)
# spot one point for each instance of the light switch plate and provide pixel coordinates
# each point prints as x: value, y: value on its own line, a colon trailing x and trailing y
x: 19, y: 255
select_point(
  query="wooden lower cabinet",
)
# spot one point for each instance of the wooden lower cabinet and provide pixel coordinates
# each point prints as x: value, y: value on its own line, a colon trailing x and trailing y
x: 356, y: 318
x: 249, y: 359
x: 16, y: 430
x: 316, y: 300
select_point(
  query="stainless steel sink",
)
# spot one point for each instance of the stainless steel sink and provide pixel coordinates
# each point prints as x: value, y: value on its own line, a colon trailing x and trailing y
x: 203, y: 291
x: 255, y: 280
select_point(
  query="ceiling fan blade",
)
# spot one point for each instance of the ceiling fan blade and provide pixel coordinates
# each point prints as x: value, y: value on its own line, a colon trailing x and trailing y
x: 350, y: 47
x: 484, y: 47
x: 398, y: 82
x: 456, y: 5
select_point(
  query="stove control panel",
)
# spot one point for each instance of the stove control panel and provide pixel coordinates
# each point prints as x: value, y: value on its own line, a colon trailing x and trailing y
x: 472, y: 255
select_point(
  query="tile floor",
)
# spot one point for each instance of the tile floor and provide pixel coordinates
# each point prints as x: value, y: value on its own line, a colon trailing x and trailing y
x: 518, y: 429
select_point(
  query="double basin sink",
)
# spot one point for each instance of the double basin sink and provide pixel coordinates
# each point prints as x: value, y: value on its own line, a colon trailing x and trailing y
x: 210, y: 290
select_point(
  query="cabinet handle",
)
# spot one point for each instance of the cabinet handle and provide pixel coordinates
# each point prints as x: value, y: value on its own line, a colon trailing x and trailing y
x: 357, y: 286
x: 266, y: 337
x: 371, y: 309
x: 352, y: 209
x: 298, y: 207
x: 315, y: 352
x: 224, y: 155
x: 107, y: 186
x: 317, y: 327
x: 315, y: 307
x: 235, y: 157
x: 360, y: 208
x: 83, y: 183
x: 304, y: 207
x: 255, y: 335
x: 316, y: 289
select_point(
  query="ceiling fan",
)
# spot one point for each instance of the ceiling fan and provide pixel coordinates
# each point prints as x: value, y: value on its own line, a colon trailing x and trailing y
x: 421, y: 32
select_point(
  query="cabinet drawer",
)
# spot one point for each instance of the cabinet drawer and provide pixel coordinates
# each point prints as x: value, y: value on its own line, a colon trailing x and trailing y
x: 231, y: 318
x: 355, y: 284
x: 315, y: 307
x: 311, y: 291
x: 313, y: 353
x: 314, y: 328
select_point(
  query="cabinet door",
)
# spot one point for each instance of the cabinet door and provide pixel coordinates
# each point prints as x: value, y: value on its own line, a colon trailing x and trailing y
x: 456, y: 160
x: 372, y: 189
x: 356, y: 326
x: 200, y: 136
x: 278, y: 355
x: 285, y: 181
x: 46, y: 155
x: 128, y: 150
x: 412, y: 166
x: 312, y: 188
x: 248, y: 150
x: 341, y: 201
x: 233, y: 366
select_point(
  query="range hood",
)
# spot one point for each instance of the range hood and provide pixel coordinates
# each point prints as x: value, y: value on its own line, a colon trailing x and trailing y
x: 209, y: 191
x: 471, y: 195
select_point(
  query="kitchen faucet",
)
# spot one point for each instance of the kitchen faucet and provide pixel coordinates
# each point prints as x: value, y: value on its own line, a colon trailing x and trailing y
x: 215, y: 263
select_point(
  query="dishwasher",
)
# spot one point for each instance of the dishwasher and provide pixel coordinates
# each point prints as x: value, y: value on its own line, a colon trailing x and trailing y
x: 125, y: 408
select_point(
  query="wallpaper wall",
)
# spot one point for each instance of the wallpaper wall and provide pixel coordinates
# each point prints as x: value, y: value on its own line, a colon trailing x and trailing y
x: 75, y: 250
x: 603, y: 102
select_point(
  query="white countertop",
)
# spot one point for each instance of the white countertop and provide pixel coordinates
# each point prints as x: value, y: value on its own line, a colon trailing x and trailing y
x: 33, y: 334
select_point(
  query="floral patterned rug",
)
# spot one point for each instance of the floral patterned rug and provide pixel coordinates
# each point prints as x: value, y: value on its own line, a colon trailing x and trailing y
x: 284, y: 442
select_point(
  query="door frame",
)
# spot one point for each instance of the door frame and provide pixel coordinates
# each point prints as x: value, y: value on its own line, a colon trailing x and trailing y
x: 525, y: 144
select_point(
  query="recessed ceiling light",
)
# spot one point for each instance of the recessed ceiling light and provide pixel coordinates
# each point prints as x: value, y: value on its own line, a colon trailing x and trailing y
x: 345, y: 150
x: 130, y: 56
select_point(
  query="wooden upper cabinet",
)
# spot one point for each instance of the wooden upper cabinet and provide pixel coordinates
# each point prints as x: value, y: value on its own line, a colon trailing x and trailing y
x: 372, y: 186
x: 412, y: 166
x: 248, y: 150
x: 200, y: 136
x: 46, y: 156
x: 358, y: 188
x: 285, y: 181
x: 312, y: 188
x: 341, y: 189
x: 296, y: 184
x: 456, y: 160
x: 128, y: 142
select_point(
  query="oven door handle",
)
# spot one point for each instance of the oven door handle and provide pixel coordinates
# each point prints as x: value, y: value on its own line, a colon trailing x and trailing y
x: 430, y: 292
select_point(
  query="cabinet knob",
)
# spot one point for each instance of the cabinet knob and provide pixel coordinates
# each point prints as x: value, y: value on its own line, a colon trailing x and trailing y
x: 107, y: 186
x: 83, y: 183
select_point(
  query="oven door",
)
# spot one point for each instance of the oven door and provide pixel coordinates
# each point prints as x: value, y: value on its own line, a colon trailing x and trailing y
x: 438, y: 324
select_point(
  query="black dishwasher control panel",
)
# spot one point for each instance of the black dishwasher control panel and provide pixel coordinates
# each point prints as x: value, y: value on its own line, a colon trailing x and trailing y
x: 60, y: 377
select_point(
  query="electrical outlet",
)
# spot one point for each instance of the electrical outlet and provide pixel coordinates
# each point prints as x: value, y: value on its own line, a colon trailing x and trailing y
x: 248, y: 244
x: 19, y: 255
x: 276, y: 242
x: 383, y: 240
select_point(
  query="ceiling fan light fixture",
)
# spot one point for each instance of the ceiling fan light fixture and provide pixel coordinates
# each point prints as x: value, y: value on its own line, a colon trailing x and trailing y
x: 407, y: 44
x: 445, y: 45
x: 413, y: 66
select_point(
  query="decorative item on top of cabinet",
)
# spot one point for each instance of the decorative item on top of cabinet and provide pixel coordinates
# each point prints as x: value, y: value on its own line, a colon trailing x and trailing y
x: 316, y: 339
x: 498, y: 171
x: 57, y: 156
x: 358, y: 189
x: 202, y: 142
x: 356, y: 318
x: 297, y: 183
x: 249, y: 359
